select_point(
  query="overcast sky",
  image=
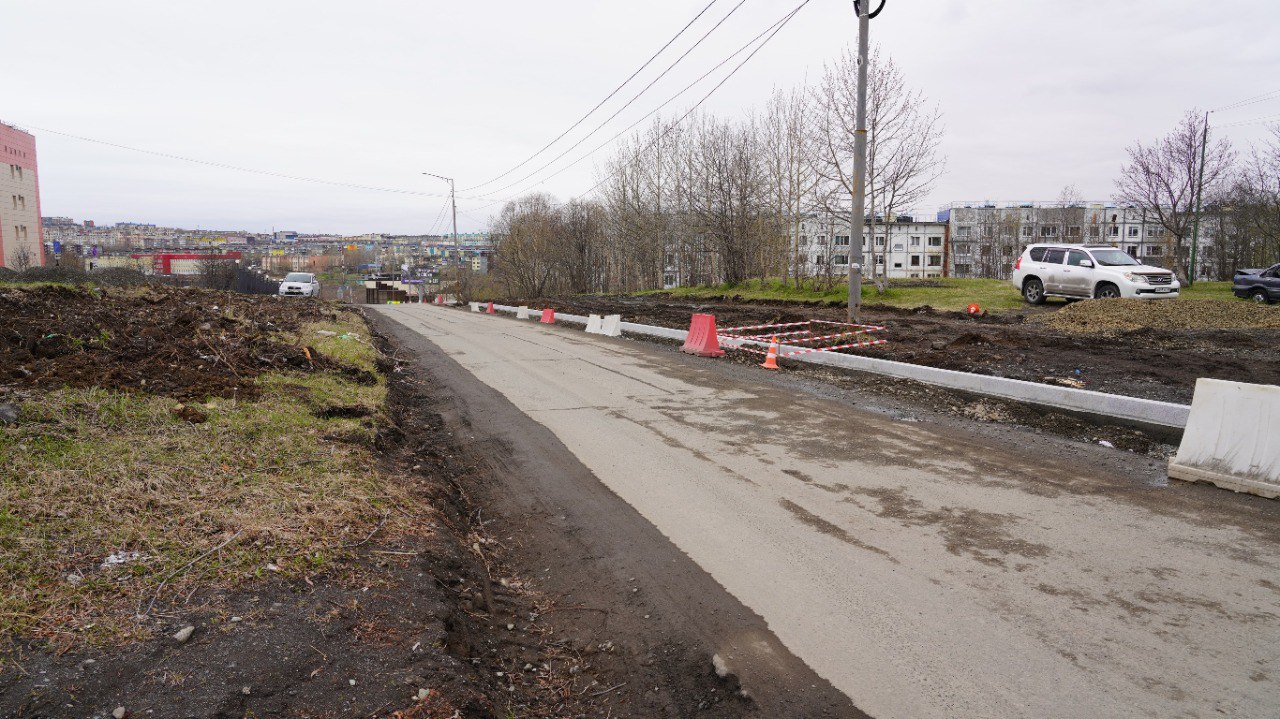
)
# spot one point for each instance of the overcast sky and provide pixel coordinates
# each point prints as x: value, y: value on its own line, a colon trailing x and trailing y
x: 1036, y: 94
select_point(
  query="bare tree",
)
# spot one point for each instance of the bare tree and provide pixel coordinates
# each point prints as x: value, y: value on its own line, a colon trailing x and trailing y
x: 904, y: 135
x: 1161, y: 179
x: 216, y: 273
x: 787, y: 140
x: 1253, y: 203
x: 524, y: 246
x: 22, y: 259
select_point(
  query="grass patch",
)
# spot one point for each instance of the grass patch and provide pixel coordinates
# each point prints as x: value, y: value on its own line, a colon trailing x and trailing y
x: 948, y: 294
x: 1203, y: 290
x: 107, y: 498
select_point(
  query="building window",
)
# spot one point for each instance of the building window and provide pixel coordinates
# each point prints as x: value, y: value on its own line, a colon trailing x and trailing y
x: 1094, y: 231
x: 817, y: 259
x: 879, y: 242
x: 1028, y: 231
x: 879, y: 259
x: 962, y: 269
x: 935, y: 260
x: 897, y: 265
x: 897, y: 247
x: 1152, y: 230
x: 915, y: 260
x: 821, y: 239
x: 1154, y: 250
x: 1113, y: 231
x: 962, y: 231
x: 840, y: 259
x: 964, y: 249
x: 915, y: 241
x: 935, y: 242
x: 1073, y: 231
x: 842, y: 240
x: 1133, y: 231
x: 1049, y: 231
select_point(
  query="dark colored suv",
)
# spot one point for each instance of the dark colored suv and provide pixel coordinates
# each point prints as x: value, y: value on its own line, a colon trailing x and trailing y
x: 1261, y: 286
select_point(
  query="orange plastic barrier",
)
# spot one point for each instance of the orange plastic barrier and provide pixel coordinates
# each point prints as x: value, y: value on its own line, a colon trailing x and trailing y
x: 702, y: 339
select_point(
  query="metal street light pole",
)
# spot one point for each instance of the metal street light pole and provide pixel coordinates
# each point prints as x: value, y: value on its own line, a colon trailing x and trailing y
x: 1195, y: 226
x: 453, y: 202
x: 857, y: 225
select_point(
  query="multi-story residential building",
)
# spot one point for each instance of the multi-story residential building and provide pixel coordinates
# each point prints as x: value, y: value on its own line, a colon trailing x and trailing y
x: 21, y: 232
x: 903, y: 247
x: 987, y: 237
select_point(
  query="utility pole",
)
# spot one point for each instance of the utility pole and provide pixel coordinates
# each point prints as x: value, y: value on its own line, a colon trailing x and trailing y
x: 453, y: 203
x: 1195, y: 224
x: 857, y: 226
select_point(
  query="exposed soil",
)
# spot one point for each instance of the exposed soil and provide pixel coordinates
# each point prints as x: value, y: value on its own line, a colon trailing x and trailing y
x: 188, y: 344
x: 442, y: 622
x: 1150, y: 362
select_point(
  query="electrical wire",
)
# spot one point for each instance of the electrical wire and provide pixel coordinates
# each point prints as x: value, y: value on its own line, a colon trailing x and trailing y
x: 1254, y: 121
x: 224, y: 166
x: 439, y: 216
x: 609, y: 97
x: 769, y: 31
x: 1250, y: 101
x: 619, y: 111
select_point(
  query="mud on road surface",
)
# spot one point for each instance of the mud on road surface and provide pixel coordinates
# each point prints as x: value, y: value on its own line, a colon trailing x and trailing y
x: 1151, y: 362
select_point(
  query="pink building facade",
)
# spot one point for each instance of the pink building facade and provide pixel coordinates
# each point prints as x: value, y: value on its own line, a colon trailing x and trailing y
x: 21, y: 233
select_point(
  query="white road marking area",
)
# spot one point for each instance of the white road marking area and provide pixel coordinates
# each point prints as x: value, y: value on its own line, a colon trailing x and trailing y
x: 922, y: 571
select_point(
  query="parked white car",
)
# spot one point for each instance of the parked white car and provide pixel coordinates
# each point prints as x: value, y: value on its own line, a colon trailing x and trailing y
x: 300, y: 284
x: 1084, y: 271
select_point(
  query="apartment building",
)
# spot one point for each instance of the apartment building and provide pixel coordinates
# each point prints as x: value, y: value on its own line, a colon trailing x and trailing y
x: 903, y: 247
x: 21, y: 232
x: 987, y: 237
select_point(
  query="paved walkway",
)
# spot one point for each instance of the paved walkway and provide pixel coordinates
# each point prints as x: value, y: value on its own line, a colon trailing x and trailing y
x: 923, y: 571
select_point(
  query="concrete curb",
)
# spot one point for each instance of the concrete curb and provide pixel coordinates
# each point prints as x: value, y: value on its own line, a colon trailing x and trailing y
x: 1163, y: 417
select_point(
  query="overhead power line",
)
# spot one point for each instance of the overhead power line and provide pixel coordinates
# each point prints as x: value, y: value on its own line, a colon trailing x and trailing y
x: 779, y: 25
x: 1254, y: 121
x: 607, y: 98
x: 1274, y: 94
x: 609, y: 119
x: 767, y: 34
x: 225, y: 166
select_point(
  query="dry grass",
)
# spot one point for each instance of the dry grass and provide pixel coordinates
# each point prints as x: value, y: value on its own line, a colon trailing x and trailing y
x: 262, y: 488
x: 1119, y: 315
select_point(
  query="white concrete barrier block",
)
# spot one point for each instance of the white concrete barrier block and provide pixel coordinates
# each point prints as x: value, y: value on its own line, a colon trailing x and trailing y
x: 611, y: 325
x: 594, y: 324
x: 1232, y: 438
x: 475, y: 306
x: 522, y: 313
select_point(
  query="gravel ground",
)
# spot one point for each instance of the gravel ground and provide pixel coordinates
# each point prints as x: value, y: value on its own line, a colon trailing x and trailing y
x: 1112, y: 316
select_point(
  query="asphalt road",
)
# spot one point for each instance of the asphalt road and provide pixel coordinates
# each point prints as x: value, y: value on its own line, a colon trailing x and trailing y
x: 924, y: 570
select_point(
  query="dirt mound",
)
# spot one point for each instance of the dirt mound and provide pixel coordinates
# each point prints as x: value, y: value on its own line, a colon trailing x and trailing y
x: 119, y: 277
x: 183, y: 343
x: 52, y: 274
x: 1118, y: 315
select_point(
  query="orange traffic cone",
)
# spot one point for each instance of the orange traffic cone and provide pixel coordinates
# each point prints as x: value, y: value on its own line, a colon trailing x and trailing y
x: 771, y: 359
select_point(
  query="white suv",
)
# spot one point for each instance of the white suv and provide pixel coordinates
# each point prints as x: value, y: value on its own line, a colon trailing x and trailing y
x: 1082, y: 271
x: 300, y: 284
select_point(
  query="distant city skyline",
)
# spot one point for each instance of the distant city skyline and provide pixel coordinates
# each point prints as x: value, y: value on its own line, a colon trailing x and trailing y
x: 1035, y: 95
